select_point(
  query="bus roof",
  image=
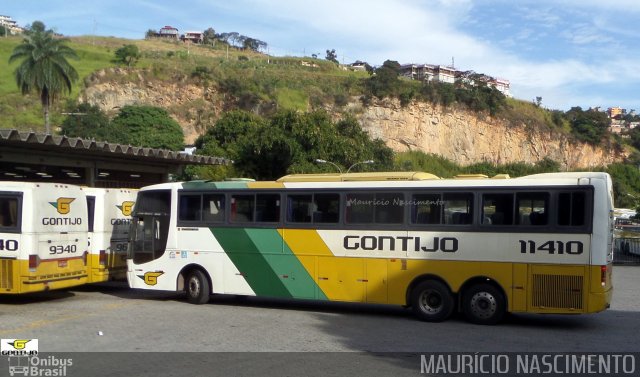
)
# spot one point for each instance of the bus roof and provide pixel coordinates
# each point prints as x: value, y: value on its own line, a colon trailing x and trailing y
x: 350, y: 177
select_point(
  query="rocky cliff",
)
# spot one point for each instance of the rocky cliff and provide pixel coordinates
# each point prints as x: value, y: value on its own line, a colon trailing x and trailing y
x: 466, y: 137
x: 458, y: 135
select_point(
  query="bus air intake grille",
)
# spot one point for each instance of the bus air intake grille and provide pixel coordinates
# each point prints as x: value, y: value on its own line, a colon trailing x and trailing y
x: 6, y: 274
x: 557, y: 291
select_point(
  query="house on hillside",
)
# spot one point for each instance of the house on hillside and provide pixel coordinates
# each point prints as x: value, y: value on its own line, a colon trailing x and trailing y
x: 168, y: 32
x: 358, y: 66
x: 192, y: 36
x: 442, y: 73
x: 10, y: 25
x: 429, y: 72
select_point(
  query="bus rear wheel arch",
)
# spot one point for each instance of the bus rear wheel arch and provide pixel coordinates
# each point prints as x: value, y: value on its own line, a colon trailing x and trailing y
x: 197, y: 286
x: 432, y: 301
x: 483, y: 303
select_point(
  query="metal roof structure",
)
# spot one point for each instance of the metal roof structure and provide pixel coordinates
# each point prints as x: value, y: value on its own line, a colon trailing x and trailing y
x: 90, y: 161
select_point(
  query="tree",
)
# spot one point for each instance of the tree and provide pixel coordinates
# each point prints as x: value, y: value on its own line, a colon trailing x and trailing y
x: 332, y: 56
x: 209, y: 36
x: 589, y: 126
x: 147, y: 126
x: 151, y: 33
x: 44, y: 67
x: 538, y: 101
x: 385, y: 82
x: 288, y: 143
x: 88, y: 122
x: 128, y: 54
x: 253, y: 44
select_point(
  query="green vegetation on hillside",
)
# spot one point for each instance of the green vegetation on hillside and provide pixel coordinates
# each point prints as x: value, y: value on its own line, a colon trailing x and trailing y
x: 288, y: 142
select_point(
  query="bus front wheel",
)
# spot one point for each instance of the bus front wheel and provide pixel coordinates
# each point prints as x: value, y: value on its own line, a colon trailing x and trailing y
x: 483, y: 304
x: 197, y: 287
x: 432, y: 301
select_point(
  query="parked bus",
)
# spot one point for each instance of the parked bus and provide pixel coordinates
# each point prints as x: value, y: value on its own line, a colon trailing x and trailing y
x: 43, y: 237
x: 535, y: 244
x: 109, y: 219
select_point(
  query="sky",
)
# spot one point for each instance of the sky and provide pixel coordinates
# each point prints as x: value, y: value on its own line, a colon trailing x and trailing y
x: 569, y: 52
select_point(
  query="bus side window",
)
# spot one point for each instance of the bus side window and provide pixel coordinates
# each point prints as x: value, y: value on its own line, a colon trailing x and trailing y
x: 458, y: 208
x: 327, y: 208
x: 268, y: 208
x: 299, y: 208
x: 359, y: 208
x: 426, y: 209
x: 189, y: 207
x: 242, y: 208
x: 213, y: 207
x: 532, y: 208
x: 572, y: 208
x: 8, y: 212
x: 497, y: 209
x: 91, y: 209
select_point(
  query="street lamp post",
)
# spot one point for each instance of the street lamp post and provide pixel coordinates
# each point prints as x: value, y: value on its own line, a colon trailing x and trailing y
x: 321, y: 161
x: 360, y: 163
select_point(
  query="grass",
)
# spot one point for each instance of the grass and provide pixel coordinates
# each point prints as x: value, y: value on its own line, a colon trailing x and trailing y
x: 292, y: 99
x: 284, y: 80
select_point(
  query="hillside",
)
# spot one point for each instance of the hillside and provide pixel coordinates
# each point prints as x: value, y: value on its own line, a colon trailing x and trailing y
x: 196, y: 84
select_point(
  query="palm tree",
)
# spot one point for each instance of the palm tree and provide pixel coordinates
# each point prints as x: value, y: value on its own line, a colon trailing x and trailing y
x: 44, y: 67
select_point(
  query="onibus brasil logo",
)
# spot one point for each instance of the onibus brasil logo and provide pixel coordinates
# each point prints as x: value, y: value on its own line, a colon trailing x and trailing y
x: 63, y: 205
x: 23, y: 359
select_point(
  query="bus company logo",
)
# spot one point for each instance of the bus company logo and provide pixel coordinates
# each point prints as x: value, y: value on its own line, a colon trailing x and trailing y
x: 126, y: 207
x: 63, y: 205
x: 151, y: 277
x: 19, y: 347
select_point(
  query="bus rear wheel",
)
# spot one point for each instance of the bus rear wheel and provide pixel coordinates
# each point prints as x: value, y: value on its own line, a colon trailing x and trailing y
x: 483, y: 304
x: 197, y: 287
x: 432, y: 301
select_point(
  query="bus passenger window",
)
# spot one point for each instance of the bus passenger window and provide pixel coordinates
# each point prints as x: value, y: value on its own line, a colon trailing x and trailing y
x: 242, y: 208
x: 360, y: 208
x: 532, y: 208
x: 389, y: 208
x: 497, y: 209
x: 572, y: 208
x: 268, y: 208
x: 213, y: 209
x: 458, y: 208
x: 299, y: 209
x: 426, y: 209
x: 189, y: 207
x: 8, y: 212
x: 327, y: 208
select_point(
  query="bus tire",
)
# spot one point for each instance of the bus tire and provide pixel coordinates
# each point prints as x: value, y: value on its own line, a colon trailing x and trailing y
x: 432, y: 301
x: 484, y: 304
x: 197, y: 287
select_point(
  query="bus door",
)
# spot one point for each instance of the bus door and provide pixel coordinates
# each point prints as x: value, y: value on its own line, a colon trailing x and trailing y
x: 150, y: 226
x: 149, y: 238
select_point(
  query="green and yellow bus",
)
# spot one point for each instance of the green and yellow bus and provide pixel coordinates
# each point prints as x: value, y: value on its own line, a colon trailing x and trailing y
x: 482, y: 246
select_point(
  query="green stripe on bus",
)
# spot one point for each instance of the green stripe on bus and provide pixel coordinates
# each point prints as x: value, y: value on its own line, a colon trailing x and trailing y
x: 285, y: 264
x: 250, y: 261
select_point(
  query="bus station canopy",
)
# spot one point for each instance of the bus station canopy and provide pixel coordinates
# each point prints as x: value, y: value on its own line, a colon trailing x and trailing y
x: 30, y: 156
